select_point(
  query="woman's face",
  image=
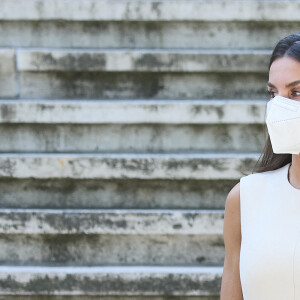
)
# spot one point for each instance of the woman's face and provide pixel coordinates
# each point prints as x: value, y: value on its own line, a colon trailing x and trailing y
x: 284, y: 78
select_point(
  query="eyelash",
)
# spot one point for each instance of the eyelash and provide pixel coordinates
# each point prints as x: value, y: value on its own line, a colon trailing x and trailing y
x: 271, y: 93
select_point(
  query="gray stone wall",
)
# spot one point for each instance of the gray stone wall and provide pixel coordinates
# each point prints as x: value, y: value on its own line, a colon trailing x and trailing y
x: 123, y: 125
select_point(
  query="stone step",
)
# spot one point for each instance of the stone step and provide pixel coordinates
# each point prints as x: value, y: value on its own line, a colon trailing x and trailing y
x: 108, y: 281
x: 136, y: 24
x: 135, y: 74
x: 133, y: 138
x: 112, y: 249
x: 163, y: 10
x: 132, y: 126
x: 232, y: 34
x: 114, y: 222
x: 85, y: 297
x: 143, y: 60
x: 146, y: 85
x: 101, y: 237
x: 101, y: 111
x: 127, y: 181
x: 8, y: 85
x: 114, y: 193
x: 203, y: 166
x: 142, y: 73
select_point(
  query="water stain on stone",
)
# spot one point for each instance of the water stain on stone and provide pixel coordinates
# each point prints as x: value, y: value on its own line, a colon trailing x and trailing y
x: 148, y: 61
x: 196, y: 164
x: 200, y: 259
x: 74, y: 62
x: 255, y: 111
x: 177, y: 226
x: 7, y: 112
x: 155, y: 7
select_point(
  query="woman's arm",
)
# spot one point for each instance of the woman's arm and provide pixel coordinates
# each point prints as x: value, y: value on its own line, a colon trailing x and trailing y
x: 231, y: 286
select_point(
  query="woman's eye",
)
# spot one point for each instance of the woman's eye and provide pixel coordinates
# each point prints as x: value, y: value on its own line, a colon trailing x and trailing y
x: 272, y: 94
x: 296, y: 93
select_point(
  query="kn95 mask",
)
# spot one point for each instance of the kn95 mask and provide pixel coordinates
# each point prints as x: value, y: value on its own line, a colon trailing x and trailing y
x: 283, y: 123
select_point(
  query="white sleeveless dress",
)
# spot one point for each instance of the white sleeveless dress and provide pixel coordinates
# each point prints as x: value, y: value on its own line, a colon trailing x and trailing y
x: 270, y: 226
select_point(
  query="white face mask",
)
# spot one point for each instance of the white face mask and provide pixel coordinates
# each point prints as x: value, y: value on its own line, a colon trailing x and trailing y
x: 283, y: 122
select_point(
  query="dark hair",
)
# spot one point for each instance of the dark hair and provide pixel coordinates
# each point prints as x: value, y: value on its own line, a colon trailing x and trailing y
x: 268, y: 161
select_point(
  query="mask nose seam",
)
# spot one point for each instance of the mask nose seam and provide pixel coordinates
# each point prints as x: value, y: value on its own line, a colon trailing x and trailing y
x: 287, y: 120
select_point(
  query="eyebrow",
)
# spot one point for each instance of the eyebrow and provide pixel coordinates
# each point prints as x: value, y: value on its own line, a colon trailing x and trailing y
x: 288, y: 85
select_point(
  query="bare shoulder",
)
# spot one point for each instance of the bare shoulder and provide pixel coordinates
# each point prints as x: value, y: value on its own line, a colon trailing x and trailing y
x: 232, y: 219
x: 231, y: 284
x: 233, y: 199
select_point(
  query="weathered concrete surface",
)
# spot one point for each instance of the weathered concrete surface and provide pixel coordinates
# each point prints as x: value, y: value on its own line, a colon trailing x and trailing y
x: 97, y: 193
x: 191, y: 281
x: 144, y: 60
x: 163, y: 125
x: 7, y: 73
x: 89, y: 237
x: 145, y: 34
x: 85, y: 297
x: 123, y: 135
x: 149, y: 10
x: 137, y: 85
x: 122, y: 166
x: 142, y: 222
x: 133, y: 138
x: 133, y: 112
x: 108, y: 249
x: 68, y: 238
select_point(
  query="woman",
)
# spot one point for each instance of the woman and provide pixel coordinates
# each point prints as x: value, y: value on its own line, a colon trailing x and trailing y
x: 262, y: 211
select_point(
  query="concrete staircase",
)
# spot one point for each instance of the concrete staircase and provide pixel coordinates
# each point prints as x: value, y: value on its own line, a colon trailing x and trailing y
x: 124, y: 124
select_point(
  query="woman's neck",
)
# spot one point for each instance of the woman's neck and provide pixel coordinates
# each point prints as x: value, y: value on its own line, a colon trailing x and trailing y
x: 294, y: 171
